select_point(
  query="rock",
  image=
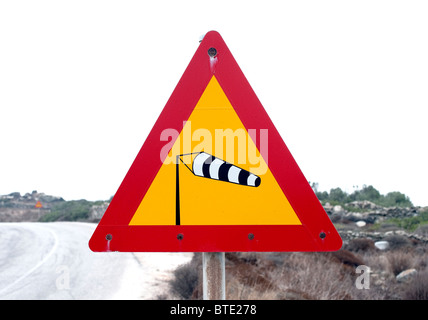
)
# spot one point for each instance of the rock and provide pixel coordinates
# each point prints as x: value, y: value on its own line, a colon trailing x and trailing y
x: 14, y: 195
x: 337, y: 208
x: 382, y: 245
x: 328, y: 206
x: 365, y: 205
x: 97, y: 211
x: 380, y: 279
x: 406, y: 275
x: 360, y: 223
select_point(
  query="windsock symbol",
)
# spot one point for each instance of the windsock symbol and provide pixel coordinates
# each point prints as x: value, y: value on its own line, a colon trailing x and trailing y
x: 208, y: 166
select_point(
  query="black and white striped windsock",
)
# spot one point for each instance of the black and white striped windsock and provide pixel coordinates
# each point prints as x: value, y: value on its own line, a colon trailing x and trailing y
x: 208, y: 166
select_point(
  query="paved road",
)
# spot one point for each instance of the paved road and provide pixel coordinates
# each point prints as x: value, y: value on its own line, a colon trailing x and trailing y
x: 53, y: 261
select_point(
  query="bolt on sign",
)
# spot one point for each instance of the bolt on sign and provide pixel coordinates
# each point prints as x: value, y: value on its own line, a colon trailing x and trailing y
x: 214, y: 174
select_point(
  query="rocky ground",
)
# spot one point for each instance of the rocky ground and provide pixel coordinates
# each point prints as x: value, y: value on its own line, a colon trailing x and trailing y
x: 379, y: 260
x: 364, y: 219
x: 368, y: 212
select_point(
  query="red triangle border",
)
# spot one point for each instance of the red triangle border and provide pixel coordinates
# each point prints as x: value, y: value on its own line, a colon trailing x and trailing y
x: 113, y: 233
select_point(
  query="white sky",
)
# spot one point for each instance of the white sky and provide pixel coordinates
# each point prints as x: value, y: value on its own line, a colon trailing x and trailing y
x: 83, y: 82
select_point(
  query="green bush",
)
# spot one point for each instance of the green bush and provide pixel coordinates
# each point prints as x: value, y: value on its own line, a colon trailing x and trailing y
x: 395, y: 199
x: 368, y: 193
x: 412, y: 223
x: 69, y: 211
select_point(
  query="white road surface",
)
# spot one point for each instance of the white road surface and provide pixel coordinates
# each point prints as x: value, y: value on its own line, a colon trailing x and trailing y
x: 53, y: 261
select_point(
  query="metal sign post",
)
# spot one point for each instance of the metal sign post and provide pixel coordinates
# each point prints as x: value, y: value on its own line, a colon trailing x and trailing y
x: 214, y: 276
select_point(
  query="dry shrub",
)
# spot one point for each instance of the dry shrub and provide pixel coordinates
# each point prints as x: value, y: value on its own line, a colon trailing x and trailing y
x: 398, y: 242
x: 248, y: 277
x: 361, y: 245
x: 236, y: 290
x: 298, y: 276
x: 295, y: 276
x: 186, y: 278
x: 317, y: 275
x: 418, y: 287
x: 349, y: 260
x: 301, y: 276
x: 399, y: 261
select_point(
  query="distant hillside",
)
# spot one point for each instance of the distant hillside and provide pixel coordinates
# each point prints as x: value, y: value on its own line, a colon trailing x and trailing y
x: 366, y: 204
x: 15, y: 207
x: 367, y: 193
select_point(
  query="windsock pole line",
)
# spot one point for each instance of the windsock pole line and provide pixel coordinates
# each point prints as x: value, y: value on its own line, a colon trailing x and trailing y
x: 177, y: 192
x: 177, y: 185
x: 208, y: 166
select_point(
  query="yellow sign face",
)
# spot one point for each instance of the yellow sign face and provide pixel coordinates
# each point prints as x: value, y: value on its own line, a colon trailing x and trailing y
x: 212, y: 139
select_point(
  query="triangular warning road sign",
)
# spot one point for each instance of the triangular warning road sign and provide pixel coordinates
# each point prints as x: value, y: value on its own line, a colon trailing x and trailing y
x: 214, y: 175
